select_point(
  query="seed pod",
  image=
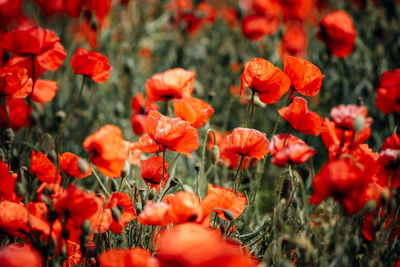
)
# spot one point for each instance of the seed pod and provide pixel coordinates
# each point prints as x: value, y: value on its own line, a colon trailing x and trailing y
x: 116, y: 214
x: 197, y: 166
x: 359, y: 123
x: 60, y: 116
x: 152, y: 194
x: 19, y: 190
x: 370, y: 206
x: 229, y: 215
x: 214, y: 154
x: 86, y: 227
x: 83, y: 165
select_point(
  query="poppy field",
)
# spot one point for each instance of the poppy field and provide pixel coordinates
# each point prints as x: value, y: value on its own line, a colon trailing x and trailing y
x: 195, y: 133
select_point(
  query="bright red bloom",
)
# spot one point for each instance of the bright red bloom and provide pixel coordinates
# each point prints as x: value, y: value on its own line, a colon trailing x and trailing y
x: 107, y: 150
x: 171, y: 84
x: 194, y: 245
x: 193, y: 110
x: 43, y: 44
x: 76, y: 204
x: 294, y: 41
x: 388, y: 95
x: 91, y: 64
x: 184, y: 207
x: 7, y: 183
x: 287, y: 149
x: 151, y: 171
x: 123, y: 203
x: 17, y: 255
x: 393, y: 141
x: 301, y: 10
x: 247, y: 142
x: 44, y: 91
x: 300, y: 118
x: 305, y: 77
x: 345, y: 116
x: 74, y: 166
x: 140, y: 111
x: 219, y: 198
x: 133, y: 257
x: 17, y: 111
x: 256, y: 26
x: 15, y: 82
x: 268, y: 81
x: 44, y: 169
x: 155, y: 214
x: 338, y: 33
x: 172, y: 133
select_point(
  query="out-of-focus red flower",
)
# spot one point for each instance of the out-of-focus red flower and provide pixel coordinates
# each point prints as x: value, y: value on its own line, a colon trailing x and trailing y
x: 219, y: 199
x: 264, y: 78
x: 193, y: 110
x: 338, y: 33
x: 44, y: 91
x: 171, y: 84
x: 74, y: 166
x: 179, y: 7
x: 388, y: 95
x: 148, y: 145
x: 151, y: 171
x: 184, y: 207
x: 101, y: 220
x: 300, y: 118
x: 172, y: 133
x: 17, y: 112
x: 301, y: 10
x: 294, y: 41
x: 107, y: 150
x: 76, y: 204
x: 43, y: 44
x: 17, y: 255
x: 7, y: 183
x: 140, y: 111
x: 230, y: 15
x: 15, y: 82
x: 123, y: 203
x: 194, y: 245
x: 85, y: 31
x: 287, y: 149
x: 44, y: 169
x: 10, y: 10
x: 247, y: 142
x: 91, y: 64
x: 389, y: 162
x: 345, y: 116
x: 155, y: 214
x: 305, y: 77
x: 133, y: 257
x: 243, y: 97
x: 256, y: 26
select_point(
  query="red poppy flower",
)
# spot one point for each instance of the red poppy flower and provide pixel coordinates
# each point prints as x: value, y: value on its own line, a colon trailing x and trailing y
x: 140, y: 111
x: 15, y: 82
x: 193, y: 110
x: 107, y: 150
x: 101, y: 220
x: 287, y: 149
x: 256, y: 26
x: 194, y: 245
x: 43, y: 44
x: 338, y: 33
x: 134, y: 257
x: 123, y: 203
x: 300, y: 118
x: 294, y: 41
x: 247, y: 142
x: 44, y: 169
x: 388, y: 95
x: 345, y: 116
x: 219, y: 199
x: 393, y: 141
x: 7, y: 183
x: 74, y: 166
x: 151, y: 171
x: 243, y: 96
x: 171, y: 84
x: 44, y: 91
x: 17, y: 111
x: 305, y: 77
x: 155, y: 214
x: 267, y: 80
x: 390, y: 170
x: 172, y: 133
x: 301, y: 10
x: 148, y: 145
x: 76, y: 204
x: 91, y: 64
x: 16, y: 255
x: 184, y: 207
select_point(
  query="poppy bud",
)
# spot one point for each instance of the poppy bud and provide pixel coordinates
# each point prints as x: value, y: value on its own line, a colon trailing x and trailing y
x: 52, y: 155
x: 19, y: 190
x: 152, y: 194
x: 174, y: 181
x: 83, y: 165
x: 142, y: 192
x: 197, y: 166
x: 214, y: 154
x: 8, y: 136
x: 370, y: 206
x: 138, y: 207
x: 385, y: 196
x: 116, y: 214
x: 64, y: 251
x: 228, y: 215
x: 60, y: 116
x: 86, y: 227
x: 118, y: 109
x: 359, y: 123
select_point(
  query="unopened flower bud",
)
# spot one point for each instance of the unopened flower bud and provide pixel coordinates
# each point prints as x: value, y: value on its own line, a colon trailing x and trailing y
x: 116, y: 214
x: 86, y: 227
x: 370, y: 206
x: 125, y: 170
x: 228, y: 215
x: 197, y: 166
x: 359, y: 123
x: 64, y: 251
x: 385, y: 195
x: 52, y: 155
x: 19, y: 190
x: 83, y: 165
x: 60, y: 116
x: 152, y: 193
x: 174, y: 181
x: 214, y: 154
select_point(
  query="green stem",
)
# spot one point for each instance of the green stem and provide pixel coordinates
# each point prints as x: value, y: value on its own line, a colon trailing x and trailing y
x: 100, y: 182
x: 203, y: 159
x: 237, y: 177
x: 251, y: 110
